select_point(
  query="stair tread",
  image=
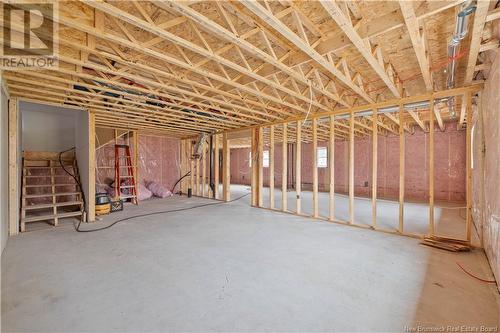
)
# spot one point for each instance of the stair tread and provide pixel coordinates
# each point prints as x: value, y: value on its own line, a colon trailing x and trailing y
x: 50, y: 217
x: 49, y: 185
x: 49, y: 194
x: 45, y: 176
x: 46, y: 167
x: 50, y: 205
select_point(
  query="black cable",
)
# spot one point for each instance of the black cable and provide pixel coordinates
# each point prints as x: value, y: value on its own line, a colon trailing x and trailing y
x: 161, y: 212
x: 177, y: 182
x: 76, y: 180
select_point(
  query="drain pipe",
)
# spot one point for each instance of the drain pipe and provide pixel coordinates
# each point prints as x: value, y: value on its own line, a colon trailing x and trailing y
x: 461, y: 29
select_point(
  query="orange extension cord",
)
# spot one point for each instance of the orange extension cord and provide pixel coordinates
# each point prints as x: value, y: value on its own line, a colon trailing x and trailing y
x: 475, y: 277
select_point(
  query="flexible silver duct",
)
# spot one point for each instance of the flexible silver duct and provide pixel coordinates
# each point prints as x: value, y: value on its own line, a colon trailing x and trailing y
x: 198, y: 148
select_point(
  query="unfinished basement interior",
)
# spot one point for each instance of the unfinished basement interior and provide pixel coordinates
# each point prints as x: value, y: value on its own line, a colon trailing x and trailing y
x: 250, y: 166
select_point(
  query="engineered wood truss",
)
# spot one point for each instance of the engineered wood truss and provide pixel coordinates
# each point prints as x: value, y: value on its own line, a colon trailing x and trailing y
x: 182, y: 68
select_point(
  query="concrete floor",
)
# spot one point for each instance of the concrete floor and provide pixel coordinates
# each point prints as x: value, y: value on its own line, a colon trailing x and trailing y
x: 235, y: 268
x: 449, y: 218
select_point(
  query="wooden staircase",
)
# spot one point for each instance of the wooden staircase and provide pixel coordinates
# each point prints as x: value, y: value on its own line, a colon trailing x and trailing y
x: 48, y: 192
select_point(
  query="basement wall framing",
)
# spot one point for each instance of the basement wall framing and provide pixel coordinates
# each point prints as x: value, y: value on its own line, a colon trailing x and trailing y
x: 340, y: 124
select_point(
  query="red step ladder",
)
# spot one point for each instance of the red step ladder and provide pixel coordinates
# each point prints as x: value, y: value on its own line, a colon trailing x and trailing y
x: 128, y: 190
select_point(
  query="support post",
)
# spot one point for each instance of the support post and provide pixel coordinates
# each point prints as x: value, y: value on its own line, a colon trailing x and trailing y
x: 351, y: 168
x: 216, y: 166
x: 271, y: 167
x: 331, y: 166
x: 191, y: 166
x: 468, y: 221
x: 298, y: 179
x: 315, y: 166
x: 135, y: 145
x: 92, y: 164
x: 13, y: 168
x: 197, y: 174
x: 260, y: 167
x: 183, y: 163
x: 401, y: 169
x: 226, y: 170
x: 255, y: 170
x: 374, y: 166
x: 204, y: 192
x: 431, y: 167
x: 284, y: 170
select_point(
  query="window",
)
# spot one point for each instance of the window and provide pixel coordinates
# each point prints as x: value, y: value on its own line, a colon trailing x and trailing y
x: 250, y: 159
x: 265, y: 159
x: 322, y: 157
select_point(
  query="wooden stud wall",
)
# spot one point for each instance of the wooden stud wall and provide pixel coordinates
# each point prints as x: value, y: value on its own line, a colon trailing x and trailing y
x: 298, y: 132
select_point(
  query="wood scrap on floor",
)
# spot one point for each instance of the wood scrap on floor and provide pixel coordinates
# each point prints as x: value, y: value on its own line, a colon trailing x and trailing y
x: 449, y: 244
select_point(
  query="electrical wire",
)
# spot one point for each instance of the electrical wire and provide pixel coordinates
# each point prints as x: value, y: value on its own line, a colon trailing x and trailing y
x: 177, y: 182
x: 160, y: 212
x: 76, y: 180
x: 475, y: 277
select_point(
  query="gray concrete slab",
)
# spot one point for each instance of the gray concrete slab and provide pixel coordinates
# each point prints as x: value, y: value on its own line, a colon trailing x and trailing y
x: 235, y: 268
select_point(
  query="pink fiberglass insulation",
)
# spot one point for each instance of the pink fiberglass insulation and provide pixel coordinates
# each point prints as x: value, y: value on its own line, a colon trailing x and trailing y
x: 158, y: 161
x: 449, y: 166
x: 486, y: 167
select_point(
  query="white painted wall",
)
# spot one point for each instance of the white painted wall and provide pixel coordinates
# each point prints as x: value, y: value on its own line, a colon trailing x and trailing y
x: 4, y: 169
x: 52, y: 128
x: 47, y: 128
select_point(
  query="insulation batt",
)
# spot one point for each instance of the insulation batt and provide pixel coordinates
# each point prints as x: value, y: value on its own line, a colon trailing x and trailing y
x: 158, y: 190
x: 144, y: 193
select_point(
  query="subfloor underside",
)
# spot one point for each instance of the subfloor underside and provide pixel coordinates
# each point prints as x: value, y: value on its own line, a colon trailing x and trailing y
x: 230, y: 267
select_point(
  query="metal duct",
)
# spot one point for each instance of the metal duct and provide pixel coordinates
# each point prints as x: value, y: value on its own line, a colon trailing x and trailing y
x: 461, y: 29
x: 394, y: 109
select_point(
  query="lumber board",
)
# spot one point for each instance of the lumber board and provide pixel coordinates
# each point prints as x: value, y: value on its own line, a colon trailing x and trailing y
x: 13, y: 167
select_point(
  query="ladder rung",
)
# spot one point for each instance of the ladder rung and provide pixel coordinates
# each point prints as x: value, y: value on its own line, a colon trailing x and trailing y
x: 57, y: 204
x: 127, y: 186
x: 126, y: 176
x: 127, y: 196
x: 28, y: 196
x: 50, y: 217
